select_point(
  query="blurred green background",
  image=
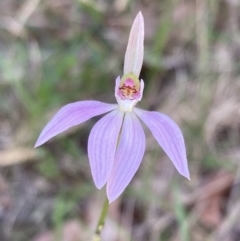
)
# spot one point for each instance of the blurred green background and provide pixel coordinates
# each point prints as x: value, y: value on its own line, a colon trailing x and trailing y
x: 56, y: 52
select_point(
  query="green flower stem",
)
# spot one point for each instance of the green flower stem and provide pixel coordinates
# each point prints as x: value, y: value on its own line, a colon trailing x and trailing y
x: 101, y: 221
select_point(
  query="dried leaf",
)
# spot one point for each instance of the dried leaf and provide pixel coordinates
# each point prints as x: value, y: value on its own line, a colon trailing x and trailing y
x: 16, y: 156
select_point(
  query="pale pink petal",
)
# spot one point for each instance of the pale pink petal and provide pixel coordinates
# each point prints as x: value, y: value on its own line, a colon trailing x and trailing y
x: 71, y: 115
x: 102, y: 144
x: 169, y: 137
x: 141, y: 90
x: 128, y: 157
x: 117, y: 82
x: 135, y: 49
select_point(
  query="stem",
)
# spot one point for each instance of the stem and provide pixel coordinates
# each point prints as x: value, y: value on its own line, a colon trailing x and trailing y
x: 101, y: 221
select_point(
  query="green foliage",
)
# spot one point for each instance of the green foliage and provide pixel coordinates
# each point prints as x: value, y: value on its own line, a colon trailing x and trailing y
x: 49, y: 167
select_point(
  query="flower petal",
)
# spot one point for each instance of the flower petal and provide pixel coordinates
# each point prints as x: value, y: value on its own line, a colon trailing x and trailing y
x: 169, y: 137
x: 102, y: 144
x: 71, y: 115
x: 128, y: 156
x: 134, y: 53
x: 141, y: 90
x: 117, y: 82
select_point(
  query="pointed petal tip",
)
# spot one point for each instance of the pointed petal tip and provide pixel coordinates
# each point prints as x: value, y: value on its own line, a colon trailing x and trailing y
x: 99, y: 185
x: 111, y: 198
x: 186, y: 174
x: 140, y: 20
x: 140, y: 16
x: 188, y: 177
x: 184, y: 171
x: 38, y: 143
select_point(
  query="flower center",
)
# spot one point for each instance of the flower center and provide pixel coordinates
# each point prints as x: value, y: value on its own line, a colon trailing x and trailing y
x: 128, y: 91
x: 129, y: 87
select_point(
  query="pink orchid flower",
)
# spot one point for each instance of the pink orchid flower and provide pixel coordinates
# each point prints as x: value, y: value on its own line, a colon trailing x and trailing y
x: 116, y: 144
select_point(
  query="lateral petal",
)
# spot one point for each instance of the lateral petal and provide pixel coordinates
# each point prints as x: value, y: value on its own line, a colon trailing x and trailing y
x: 128, y: 156
x: 168, y: 136
x: 135, y: 49
x: 71, y: 115
x: 102, y: 144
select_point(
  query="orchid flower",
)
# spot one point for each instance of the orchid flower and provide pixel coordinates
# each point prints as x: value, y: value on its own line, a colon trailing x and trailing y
x: 116, y: 144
